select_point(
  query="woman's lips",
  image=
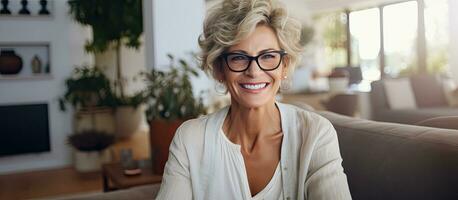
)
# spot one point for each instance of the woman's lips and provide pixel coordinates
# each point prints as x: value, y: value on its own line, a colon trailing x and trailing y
x: 254, y: 87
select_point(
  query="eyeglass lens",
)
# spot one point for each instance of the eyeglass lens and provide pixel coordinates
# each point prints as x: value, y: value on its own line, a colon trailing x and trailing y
x: 267, y: 61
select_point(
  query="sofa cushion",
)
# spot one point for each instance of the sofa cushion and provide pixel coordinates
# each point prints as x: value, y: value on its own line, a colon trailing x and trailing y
x: 399, y: 93
x: 428, y: 91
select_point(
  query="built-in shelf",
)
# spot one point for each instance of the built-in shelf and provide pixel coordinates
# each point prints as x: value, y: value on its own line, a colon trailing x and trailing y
x: 28, y: 77
x: 33, y: 6
x: 39, y: 52
x: 26, y: 17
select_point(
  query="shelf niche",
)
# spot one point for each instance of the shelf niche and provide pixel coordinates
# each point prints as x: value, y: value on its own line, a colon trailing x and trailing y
x: 28, y: 52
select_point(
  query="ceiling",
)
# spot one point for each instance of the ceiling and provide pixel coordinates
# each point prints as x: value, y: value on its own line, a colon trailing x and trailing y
x: 304, y: 9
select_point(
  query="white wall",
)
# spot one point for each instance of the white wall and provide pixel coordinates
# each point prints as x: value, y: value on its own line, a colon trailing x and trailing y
x: 173, y: 26
x: 67, y: 41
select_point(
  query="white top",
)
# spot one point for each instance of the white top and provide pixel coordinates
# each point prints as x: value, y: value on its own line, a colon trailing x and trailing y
x: 232, y: 158
x: 200, y: 166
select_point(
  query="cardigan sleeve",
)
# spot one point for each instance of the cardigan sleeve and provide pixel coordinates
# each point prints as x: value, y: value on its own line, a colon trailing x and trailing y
x: 176, y: 183
x: 326, y: 178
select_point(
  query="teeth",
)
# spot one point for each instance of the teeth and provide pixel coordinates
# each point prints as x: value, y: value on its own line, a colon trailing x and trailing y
x: 254, y: 87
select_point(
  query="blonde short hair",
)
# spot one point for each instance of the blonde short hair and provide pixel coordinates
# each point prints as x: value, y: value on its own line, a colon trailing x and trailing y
x: 230, y: 21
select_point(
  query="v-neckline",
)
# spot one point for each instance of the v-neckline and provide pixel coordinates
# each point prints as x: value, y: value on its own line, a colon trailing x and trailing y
x: 238, y: 147
x: 245, y: 181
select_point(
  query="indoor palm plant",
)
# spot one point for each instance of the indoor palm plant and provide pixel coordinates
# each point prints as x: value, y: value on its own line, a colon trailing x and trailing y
x: 114, y: 24
x: 170, y: 102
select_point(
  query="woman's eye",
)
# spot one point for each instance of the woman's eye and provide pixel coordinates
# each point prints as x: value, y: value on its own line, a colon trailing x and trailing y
x: 236, y: 58
x: 268, y: 56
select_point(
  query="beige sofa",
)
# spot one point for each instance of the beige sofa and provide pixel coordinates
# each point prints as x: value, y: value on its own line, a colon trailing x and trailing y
x: 430, y: 98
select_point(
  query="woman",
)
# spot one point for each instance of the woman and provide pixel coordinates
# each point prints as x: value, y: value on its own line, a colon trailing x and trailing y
x: 255, y: 148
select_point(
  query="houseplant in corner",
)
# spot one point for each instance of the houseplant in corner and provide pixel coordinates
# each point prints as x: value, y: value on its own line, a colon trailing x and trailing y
x: 170, y: 102
x: 114, y: 24
x: 91, y: 149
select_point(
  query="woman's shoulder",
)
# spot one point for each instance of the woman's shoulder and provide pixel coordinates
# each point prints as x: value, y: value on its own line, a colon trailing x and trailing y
x: 306, y: 117
x: 308, y: 124
x: 192, y: 130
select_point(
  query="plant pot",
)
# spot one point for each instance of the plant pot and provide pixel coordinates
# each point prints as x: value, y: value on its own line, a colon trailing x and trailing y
x: 128, y: 120
x: 161, y: 135
x: 90, y: 161
x: 10, y: 63
x: 95, y: 118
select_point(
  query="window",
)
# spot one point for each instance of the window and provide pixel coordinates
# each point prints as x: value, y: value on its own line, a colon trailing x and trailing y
x: 331, y: 30
x: 385, y: 40
x: 400, y: 38
x: 365, y: 42
x: 437, y: 37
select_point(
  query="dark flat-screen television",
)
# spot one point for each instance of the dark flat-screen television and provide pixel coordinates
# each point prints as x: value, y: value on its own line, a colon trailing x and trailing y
x: 24, y: 129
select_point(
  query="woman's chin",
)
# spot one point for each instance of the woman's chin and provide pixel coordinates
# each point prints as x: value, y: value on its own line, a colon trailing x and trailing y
x: 255, y: 102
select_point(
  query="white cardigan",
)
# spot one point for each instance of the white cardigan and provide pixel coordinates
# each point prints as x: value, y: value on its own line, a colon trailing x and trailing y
x: 310, y: 159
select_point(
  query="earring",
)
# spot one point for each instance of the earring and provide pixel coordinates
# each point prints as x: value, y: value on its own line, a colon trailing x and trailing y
x: 286, y: 84
x: 220, y: 88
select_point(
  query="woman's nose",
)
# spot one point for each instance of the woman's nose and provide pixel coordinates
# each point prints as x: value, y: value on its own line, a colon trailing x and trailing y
x: 253, y: 69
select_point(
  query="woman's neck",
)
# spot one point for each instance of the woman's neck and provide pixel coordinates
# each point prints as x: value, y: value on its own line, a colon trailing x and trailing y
x: 246, y: 125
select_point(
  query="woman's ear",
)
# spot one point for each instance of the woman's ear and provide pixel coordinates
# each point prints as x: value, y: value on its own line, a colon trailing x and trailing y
x: 218, y: 72
x: 285, y: 68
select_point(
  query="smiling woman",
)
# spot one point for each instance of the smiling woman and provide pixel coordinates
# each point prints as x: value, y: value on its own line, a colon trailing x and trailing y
x: 255, y: 148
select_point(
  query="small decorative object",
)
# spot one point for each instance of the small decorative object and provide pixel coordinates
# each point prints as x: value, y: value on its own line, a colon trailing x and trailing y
x: 36, y: 65
x: 47, y: 68
x: 4, y: 10
x: 43, y: 10
x: 24, y: 10
x: 91, y: 149
x: 129, y: 165
x: 10, y: 63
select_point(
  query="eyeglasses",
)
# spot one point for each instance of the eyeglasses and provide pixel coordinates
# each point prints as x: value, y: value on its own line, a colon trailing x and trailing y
x: 267, y: 61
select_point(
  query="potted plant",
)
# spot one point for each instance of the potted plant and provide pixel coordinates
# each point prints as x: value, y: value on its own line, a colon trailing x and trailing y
x: 89, y: 92
x: 128, y: 115
x: 114, y: 24
x: 171, y: 102
x: 87, y: 87
x: 91, y: 149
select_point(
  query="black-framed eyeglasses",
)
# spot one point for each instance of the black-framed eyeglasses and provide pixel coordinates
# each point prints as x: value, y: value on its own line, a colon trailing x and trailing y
x: 267, y: 61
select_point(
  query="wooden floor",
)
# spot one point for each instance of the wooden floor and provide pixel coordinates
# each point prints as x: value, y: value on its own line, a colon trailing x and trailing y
x: 40, y: 184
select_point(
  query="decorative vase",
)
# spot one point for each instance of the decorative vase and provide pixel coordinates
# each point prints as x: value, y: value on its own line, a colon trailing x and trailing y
x: 10, y: 63
x: 5, y: 10
x: 161, y: 135
x: 128, y: 120
x: 36, y: 65
x: 99, y: 119
x: 43, y: 10
x: 24, y: 10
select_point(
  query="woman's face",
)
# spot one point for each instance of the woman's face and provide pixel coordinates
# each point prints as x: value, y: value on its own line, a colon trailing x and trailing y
x: 255, y: 87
